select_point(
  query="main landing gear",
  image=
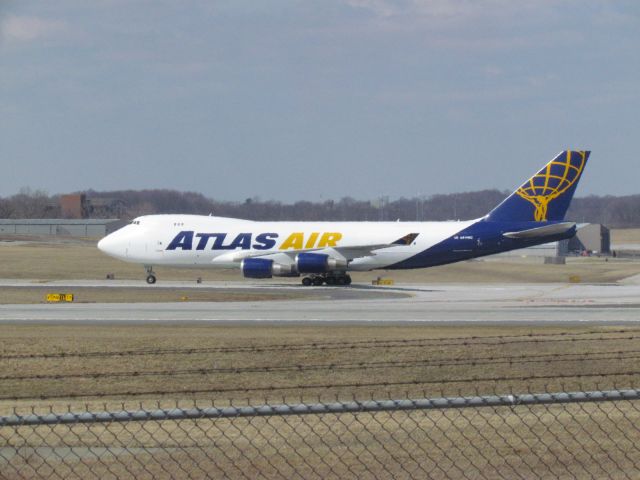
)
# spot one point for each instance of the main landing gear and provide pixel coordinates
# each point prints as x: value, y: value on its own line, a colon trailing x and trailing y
x: 340, y: 279
x: 151, y: 276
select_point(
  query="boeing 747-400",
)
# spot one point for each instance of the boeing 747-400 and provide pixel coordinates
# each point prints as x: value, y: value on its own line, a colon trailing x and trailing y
x: 325, y: 252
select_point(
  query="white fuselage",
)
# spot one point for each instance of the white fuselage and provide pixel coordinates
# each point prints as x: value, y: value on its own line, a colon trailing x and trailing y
x: 207, y: 241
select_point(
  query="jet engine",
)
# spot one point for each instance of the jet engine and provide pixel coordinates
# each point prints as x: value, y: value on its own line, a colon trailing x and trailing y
x: 318, y: 263
x: 264, y: 268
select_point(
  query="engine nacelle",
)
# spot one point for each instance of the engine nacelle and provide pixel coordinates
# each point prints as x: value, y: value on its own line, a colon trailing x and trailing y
x: 256, y: 268
x: 318, y: 263
x: 263, y: 268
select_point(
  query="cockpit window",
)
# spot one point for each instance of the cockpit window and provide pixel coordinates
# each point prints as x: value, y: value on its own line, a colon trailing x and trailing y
x: 135, y: 222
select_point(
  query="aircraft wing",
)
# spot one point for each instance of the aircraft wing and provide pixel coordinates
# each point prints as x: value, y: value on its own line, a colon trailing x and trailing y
x: 545, y: 231
x: 348, y: 253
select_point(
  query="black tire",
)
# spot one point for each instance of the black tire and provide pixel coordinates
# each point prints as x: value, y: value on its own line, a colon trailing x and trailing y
x: 306, y: 281
x: 151, y: 279
x: 331, y: 280
x: 341, y: 280
x: 318, y: 281
x: 347, y: 279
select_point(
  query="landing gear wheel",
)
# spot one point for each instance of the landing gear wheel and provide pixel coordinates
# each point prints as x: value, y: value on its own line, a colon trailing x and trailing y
x: 318, y: 281
x: 151, y: 277
x: 306, y: 281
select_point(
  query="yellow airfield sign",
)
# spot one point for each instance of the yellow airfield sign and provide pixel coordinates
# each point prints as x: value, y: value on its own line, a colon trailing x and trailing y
x: 59, y: 297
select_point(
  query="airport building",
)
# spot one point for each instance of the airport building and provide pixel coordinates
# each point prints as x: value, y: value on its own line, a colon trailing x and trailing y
x: 63, y: 227
x: 591, y: 238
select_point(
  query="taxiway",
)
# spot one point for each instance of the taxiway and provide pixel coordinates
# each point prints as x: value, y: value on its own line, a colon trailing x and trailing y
x: 507, y: 303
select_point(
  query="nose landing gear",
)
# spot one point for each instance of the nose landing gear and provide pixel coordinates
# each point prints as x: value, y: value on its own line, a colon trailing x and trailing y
x: 340, y: 279
x: 151, y: 276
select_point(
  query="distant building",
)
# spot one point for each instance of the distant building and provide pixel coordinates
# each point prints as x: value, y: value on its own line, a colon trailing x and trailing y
x: 74, y: 205
x: 65, y: 227
x: 77, y: 205
x: 591, y: 237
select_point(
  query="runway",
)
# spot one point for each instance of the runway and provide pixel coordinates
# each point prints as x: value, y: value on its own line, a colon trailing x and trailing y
x: 511, y: 304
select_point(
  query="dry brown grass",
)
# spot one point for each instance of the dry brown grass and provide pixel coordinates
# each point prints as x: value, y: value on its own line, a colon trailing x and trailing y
x: 81, y: 260
x: 432, y: 380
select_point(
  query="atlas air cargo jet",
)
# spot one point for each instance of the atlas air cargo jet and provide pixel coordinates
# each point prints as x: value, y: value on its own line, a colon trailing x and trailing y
x: 325, y: 252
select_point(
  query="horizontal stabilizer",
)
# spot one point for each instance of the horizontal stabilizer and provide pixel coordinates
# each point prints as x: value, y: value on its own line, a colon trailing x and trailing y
x: 539, y: 232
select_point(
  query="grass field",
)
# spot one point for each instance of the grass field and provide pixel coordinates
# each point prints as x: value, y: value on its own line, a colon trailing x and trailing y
x: 89, y: 368
x: 59, y: 363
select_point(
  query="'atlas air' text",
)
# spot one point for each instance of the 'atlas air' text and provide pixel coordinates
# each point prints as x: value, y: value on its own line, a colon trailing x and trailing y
x: 190, y: 240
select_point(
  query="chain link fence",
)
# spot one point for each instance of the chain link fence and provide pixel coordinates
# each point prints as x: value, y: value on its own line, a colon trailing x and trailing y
x: 562, y: 435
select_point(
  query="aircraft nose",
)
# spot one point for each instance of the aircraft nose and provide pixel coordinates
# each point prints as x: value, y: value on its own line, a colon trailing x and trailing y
x: 112, y: 245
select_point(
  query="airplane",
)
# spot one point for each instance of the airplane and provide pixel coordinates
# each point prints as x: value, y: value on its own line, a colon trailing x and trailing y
x: 325, y: 252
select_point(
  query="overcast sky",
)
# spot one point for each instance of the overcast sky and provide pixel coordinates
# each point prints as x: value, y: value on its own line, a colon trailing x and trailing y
x: 293, y: 100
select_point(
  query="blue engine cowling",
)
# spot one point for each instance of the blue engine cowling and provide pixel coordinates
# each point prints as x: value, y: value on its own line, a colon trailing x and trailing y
x: 318, y: 263
x: 312, y: 262
x: 257, y: 268
x: 263, y: 268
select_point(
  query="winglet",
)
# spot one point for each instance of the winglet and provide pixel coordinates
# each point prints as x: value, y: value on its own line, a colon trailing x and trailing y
x: 406, y: 240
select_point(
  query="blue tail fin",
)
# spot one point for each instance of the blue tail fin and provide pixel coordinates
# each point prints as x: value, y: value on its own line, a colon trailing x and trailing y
x: 545, y: 196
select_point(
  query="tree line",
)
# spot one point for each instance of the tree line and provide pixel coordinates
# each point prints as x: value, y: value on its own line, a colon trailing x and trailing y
x: 613, y: 211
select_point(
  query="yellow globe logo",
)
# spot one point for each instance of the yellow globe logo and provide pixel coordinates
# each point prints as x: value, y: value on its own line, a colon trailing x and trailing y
x: 551, y: 182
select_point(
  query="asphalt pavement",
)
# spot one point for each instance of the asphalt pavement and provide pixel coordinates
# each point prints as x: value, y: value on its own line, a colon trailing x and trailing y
x: 447, y: 303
